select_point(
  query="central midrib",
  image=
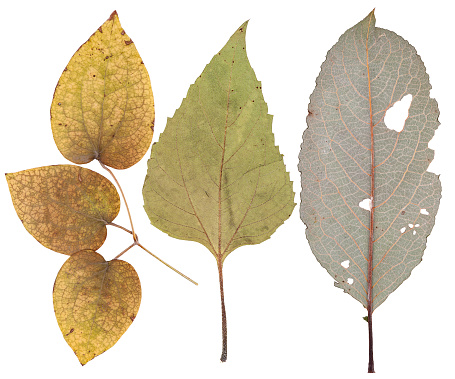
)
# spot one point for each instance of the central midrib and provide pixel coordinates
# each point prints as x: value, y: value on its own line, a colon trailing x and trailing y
x: 100, y: 133
x: 219, y: 252
x: 372, y: 207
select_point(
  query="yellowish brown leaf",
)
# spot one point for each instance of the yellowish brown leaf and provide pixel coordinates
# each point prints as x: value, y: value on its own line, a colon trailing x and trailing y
x: 95, y: 302
x: 103, y: 103
x: 65, y: 207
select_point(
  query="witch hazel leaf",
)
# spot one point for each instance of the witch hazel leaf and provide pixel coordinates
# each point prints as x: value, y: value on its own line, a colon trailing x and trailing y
x: 95, y: 302
x: 103, y: 104
x: 65, y: 207
x: 368, y: 201
x: 215, y: 176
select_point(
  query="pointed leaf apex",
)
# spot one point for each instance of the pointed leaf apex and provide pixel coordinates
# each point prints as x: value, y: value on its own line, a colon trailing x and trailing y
x: 371, y: 16
x: 113, y: 14
x: 243, y: 27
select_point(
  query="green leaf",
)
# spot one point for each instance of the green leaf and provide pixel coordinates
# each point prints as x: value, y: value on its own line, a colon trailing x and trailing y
x: 216, y: 176
x: 103, y: 103
x: 349, y: 155
x: 65, y: 207
x: 95, y: 302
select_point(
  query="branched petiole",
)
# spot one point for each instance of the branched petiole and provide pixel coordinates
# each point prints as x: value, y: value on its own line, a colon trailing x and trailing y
x: 135, y: 236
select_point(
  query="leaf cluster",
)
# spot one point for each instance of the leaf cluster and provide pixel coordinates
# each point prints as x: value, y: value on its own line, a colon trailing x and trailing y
x: 102, y: 109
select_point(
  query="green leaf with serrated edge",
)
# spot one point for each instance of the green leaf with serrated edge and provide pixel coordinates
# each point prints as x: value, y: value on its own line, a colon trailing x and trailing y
x: 95, y: 302
x: 103, y: 103
x: 216, y: 176
x: 65, y: 207
x: 349, y: 155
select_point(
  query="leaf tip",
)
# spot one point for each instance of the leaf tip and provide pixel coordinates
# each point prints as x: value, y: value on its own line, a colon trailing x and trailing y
x: 8, y: 176
x: 112, y: 16
x: 371, y: 14
x: 242, y: 28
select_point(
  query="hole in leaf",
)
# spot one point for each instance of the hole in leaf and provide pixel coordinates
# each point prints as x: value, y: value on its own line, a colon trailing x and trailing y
x: 403, y: 229
x: 396, y: 116
x: 350, y: 281
x: 345, y: 264
x: 424, y: 211
x: 365, y: 204
x: 414, y: 232
x: 416, y: 225
x: 411, y: 226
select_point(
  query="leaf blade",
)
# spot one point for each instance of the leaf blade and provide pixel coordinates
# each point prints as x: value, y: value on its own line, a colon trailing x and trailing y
x: 227, y: 197
x: 103, y: 103
x: 365, y: 73
x: 95, y: 302
x: 65, y: 207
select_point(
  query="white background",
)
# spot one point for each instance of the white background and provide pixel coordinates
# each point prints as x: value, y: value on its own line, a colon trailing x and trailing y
x: 285, y: 317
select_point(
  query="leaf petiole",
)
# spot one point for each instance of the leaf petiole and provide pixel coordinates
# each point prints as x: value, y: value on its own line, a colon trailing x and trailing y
x: 163, y: 262
x: 120, y: 227
x: 124, y: 251
x: 135, y: 237
x: 123, y: 196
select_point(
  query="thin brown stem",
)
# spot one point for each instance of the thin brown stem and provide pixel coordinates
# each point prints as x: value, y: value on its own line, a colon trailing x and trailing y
x: 123, y: 196
x: 223, y: 314
x: 370, y: 342
x: 166, y: 264
x: 135, y: 237
x: 124, y: 251
x: 371, y: 227
x: 120, y: 227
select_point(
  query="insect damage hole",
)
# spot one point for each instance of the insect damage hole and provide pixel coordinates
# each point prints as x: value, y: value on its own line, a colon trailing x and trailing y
x: 396, y: 116
x: 350, y: 281
x: 403, y: 229
x: 365, y: 204
x: 345, y: 264
x: 424, y: 212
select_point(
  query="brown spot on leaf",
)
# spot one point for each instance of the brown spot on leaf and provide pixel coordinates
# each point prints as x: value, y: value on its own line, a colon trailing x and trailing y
x: 132, y: 318
x: 71, y: 331
x: 100, y: 29
x: 122, y: 32
x: 128, y: 42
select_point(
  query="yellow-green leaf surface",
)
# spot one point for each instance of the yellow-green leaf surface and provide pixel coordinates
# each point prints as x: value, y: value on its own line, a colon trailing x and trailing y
x: 95, y: 302
x: 65, y: 207
x: 216, y: 176
x: 103, y: 103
